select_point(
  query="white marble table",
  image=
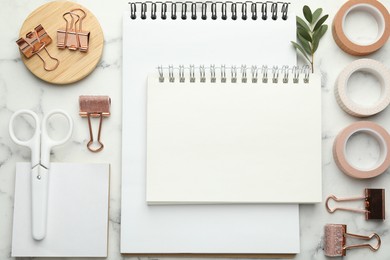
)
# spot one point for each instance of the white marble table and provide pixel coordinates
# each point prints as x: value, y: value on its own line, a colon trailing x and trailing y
x: 20, y: 89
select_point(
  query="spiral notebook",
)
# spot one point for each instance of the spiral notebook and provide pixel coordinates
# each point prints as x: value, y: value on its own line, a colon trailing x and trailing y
x: 233, y: 135
x: 198, y: 33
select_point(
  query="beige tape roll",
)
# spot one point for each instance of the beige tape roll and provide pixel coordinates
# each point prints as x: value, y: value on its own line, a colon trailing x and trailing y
x: 380, y: 71
x: 372, y: 129
x: 373, y: 7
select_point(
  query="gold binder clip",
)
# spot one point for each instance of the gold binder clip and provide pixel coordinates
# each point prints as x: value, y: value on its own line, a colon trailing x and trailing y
x: 73, y: 37
x: 374, y: 201
x: 95, y: 106
x: 335, y: 240
x: 34, y: 42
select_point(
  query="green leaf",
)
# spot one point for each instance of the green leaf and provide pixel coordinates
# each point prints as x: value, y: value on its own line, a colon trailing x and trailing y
x: 316, y: 15
x: 304, y: 34
x: 301, y: 23
x: 315, y: 44
x: 305, y: 44
x: 307, y: 13
x: 318, y: 35
x: 320, y: 22
x: 320, y: 32
x: 298, y: 47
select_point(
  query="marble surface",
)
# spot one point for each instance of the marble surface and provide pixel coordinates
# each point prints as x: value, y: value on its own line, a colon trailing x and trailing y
x: 20, y: 89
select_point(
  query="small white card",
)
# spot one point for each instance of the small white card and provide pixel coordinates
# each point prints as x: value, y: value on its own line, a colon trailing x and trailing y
x: 77, y: 223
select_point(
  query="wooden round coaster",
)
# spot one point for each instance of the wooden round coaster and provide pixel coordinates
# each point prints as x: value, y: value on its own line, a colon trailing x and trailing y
x: 74, y: 65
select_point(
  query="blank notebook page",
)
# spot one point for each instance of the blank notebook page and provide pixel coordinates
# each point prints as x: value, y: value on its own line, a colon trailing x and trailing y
x: 233, y: 142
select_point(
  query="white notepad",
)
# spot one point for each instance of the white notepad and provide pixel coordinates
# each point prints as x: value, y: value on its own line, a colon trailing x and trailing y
x: 77, y: 223
x: 233, y: 142
x: 196, y: 229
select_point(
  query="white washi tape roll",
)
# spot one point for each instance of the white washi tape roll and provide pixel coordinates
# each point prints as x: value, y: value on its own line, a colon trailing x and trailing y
x: 341, y: 89
x: 372, y: 129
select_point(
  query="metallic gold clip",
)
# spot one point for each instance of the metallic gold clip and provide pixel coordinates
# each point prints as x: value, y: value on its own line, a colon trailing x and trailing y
x: 335, y: 240
x: 374, y: 201
x: 34, y: 43
x: 73, y: 37
x: 95, y: 106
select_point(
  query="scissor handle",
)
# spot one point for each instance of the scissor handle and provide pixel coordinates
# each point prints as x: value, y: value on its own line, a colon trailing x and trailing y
x: 45, y: 136
x: 14, y: 138
x: 46, y: 141
x: 34, y: 142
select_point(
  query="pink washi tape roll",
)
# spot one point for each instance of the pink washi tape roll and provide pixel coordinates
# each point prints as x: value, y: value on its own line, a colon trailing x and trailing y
x: 380, y: 71
x: 373, y: 7
x: 372, y: 129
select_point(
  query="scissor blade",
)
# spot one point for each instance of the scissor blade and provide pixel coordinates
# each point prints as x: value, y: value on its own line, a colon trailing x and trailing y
x: 39, y: 198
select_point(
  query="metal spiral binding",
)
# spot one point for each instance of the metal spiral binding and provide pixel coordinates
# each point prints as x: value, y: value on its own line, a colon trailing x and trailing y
x: 233, y: 70
x: 223, y: 74
x: 218, y: 9
x: 274, y: 11
x: 213, y: 79
x: 205, y: 74
x: 164, y: 11
x: 243, y: 74
x: 183, y: 10
x: 181, y: 74
x: 254, y: 72
x: 284, y: 11
x: 264, y: 72
x: 192, y: 73
x: 285, y: 74
x: 171, y: 75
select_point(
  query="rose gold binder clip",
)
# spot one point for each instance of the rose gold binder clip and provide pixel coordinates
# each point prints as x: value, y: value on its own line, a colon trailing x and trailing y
x: 374, y: 201
x: 335, y: 240
x: 34, y: 42
x: 95, y: 106
x: 73, y: 37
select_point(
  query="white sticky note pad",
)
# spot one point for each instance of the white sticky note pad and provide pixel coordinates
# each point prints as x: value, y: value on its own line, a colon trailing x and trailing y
x: 78, y: 206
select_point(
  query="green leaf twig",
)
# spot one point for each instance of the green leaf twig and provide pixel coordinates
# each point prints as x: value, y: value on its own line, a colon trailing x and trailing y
x: 309, y: 33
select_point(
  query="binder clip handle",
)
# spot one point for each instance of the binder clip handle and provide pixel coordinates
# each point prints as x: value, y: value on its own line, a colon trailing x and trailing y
x: 332, y: 197
x: 90, y: 143
x: 45, y: 66
x: 374, y: 204
x: 73, y: 43
x: 373, y: 235
x: 81, y: 18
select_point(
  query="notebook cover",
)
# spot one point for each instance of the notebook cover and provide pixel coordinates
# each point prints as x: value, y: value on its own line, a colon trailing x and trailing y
x: 195, y: 229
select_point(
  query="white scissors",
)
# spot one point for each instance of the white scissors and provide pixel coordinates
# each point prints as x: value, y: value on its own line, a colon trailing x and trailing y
x: 40, y: 145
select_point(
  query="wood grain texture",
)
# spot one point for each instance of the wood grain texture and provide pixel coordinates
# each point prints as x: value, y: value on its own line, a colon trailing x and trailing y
x: 74, y: 65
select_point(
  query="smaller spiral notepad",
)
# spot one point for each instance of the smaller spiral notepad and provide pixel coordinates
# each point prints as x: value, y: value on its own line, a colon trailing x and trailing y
x: 233, y: 134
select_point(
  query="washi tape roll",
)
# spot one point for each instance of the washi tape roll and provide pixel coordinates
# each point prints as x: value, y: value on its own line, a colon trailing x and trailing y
x: 373, y: 7
x: 380, y: 71
x: 372, y: 129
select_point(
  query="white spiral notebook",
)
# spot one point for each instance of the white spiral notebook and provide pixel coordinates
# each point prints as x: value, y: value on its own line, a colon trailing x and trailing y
x: 198, y: 33
x: 233, y: 135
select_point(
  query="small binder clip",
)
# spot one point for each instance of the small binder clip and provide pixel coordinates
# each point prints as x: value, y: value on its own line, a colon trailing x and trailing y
x: 34, y: 43
x: 72, y: 37
x: 95, y: 106
x: 335, y: 240
x: 374, y: 201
